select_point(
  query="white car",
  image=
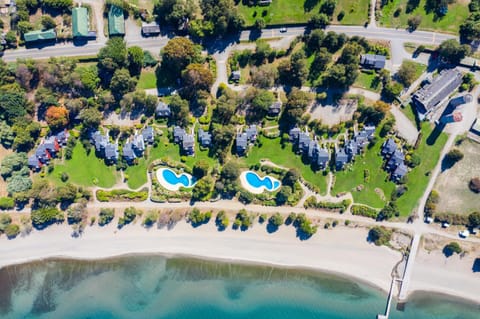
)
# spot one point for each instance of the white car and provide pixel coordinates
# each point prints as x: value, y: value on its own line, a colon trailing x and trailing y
x: 464, y: 233
x: 283, y: 29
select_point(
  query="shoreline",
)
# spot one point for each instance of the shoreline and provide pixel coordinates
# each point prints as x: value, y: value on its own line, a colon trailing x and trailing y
x: 352, y: 258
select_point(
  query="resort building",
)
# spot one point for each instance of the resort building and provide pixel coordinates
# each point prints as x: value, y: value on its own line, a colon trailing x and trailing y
x: 163, y: 110
x: 99, y: 141
x: 275, y: 109
x: 251, y: 133
x: 395, y: 160
x: 204, y: 138
x: 40, y: 36
x: 47, y: 150
x: 128, y: 153
x: 138, y: 144
x: 150, y: 29
x: 341, y: 158
x: 373, y: 61
x: 80, y: 23
x: 111, y: 152
x: 178, y: 134
x: 434, y: 94
x: 116, y: 21
x: 241, y: 143
x: 294, y: 133
x: 148, y: 135
x: 388, y: 147
x: 186, y: 141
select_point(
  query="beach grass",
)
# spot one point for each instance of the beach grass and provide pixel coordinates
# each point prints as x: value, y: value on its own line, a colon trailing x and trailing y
x: 271, y: 149
x: 457, y: 13
x: 84, y: 170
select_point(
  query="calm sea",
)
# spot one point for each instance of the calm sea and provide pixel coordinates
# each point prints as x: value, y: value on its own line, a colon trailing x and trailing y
x: 160, y: 287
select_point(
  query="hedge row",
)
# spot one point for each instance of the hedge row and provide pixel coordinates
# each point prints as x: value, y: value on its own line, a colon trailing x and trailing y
x: 311, y: 202
x: 122, y: 195
x: 364, y: 211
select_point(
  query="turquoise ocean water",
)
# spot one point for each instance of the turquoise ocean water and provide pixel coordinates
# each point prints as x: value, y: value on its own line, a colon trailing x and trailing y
x: 160, y: 287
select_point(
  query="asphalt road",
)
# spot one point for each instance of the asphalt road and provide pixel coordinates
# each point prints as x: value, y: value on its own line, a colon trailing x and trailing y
x: 155, y: 44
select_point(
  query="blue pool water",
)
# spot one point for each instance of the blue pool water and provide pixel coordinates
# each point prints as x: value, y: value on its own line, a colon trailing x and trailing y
x: 174, y: 179
x: 256, y: 181
x: 155, y: 287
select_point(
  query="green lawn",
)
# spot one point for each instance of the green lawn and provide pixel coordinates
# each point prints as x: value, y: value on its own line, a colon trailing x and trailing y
x: 368, y: 81
x: 375, y: 188
x: 300, y: 11
x: 137, y: 174
x: 84, y: 170
x: 417, y: 178
x: 356, y: 12
x: 148, y: 80
x: 451, y: 22
x: 419, y: 67
x: 272, y: 150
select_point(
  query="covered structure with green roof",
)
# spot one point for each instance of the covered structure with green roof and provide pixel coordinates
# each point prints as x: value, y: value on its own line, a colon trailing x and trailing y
x: 116, y: 21
x: 39, y: 35
x: 80, y: 23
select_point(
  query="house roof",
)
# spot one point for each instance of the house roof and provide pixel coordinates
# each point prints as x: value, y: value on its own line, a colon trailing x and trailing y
x: 204, y: 137
x: 148, y: 134
x: 163, y: 109
x: 33, y: 161
x: 400, y: 171
x: 441, y: 87
x: 188, y: 141
x: 128, y: 152
x: 322, y: 155
x: 116, y: 21
x: 178, y: 133
x: 236, y: 75
x: 242, y: 140
x: 62, y: 136
x: 80, y: 23
x: 341, y: 157
x: 275, y: 108
x: 303, y: 139
x: 389, y: 146
x: 150, y: 28
x: 294, y: 133
x: 251, y: 132
x: 373, y: 60
x: 40, y: 35
x: 111, y: 151
x: 138, y: 143
x: 99, y: 140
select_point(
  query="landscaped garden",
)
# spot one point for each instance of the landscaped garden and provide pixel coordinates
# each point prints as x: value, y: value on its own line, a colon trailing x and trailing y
x: 395, y: 14
x: 83, y: 170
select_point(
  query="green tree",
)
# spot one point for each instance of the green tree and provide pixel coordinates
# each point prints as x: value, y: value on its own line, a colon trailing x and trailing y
x: 474, y: 219
x: 89, y: 78
x: 174, y: 11
x: 203, y: 189
x: 112, y: 56
x: 452, y: 248
x: 453, y: 51
x: 135, y: 60
x: 24, y: 27
x: 180, y: 111
x: 13, y: 105
x: 177, y: 54
x: 260, y: 104
x: 282, y: 196
x: 11, y: 39
x: 292, y: 176
x: 91, y: 117
x: 105, y: 216
x: 48, y: 22
x: 13, y: 163
x: 380, y: 235
x: 200, y: 169
x: 296, y: 106
x: 122, y: 83
x: 454, y: 156
x: 407, y: 73
x: 392, y: 89
x: 276, y: 220
x: 44, y: 217
x: 63, y: 5
x: 299, y: 68
x: 12, y: 231
x: 18, y: 184
x: 196, y: 77
x: 319, y: 21
x: 223, y: 15
x: 5, y: 220
x: 6, y: 203
x: 264, y: 76
x: 414, y: 21
x: 320, y: 62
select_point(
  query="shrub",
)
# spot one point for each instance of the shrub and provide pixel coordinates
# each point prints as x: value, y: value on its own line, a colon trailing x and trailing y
x: 222, y: 220
x: 454, y: 156
x: 452, y: 219
x: 64, y: 177
x: 474, y: 219
x: 122, y: 195
x: 364, y: 211
x: 276, y: 220
x: 105, y: 216
x: 311, y: 202
x: 6, y: 203
x: 474, y: 185
x: 380, y: 235
x: 12, y: 230
x: 5, y: 220
x: 129, y: 215
x: 452, y: 248
x: 195, y: 217
x: 150, y: 218
x: 46, y: 216
x: 245, y: 219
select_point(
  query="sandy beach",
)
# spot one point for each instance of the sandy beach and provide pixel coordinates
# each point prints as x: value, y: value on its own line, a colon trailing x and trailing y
x: 343, y: 251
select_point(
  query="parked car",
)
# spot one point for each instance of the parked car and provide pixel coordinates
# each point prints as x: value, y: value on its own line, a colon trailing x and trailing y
x: 464, y: 233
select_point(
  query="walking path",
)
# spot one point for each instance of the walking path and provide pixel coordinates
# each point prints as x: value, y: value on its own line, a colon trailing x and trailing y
x: 373, y: 23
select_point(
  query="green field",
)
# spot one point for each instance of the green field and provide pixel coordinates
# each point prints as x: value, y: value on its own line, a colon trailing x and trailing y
x: 457, y: 13
x: 419, y: 176
x: 300, y: 11
x: 375, y: 188
x: 85, y: 170
x: 272, y: 150
x: 148, y: 80
x: 368, y: 81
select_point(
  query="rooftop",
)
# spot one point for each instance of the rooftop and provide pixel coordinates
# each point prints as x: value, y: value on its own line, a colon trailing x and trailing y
x: 116, y: 21
x: 40, y: 35
x: 80, y: 22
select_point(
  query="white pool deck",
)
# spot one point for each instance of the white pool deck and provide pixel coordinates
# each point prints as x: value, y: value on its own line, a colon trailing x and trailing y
x: 171, y: 187
x: 254, y: 190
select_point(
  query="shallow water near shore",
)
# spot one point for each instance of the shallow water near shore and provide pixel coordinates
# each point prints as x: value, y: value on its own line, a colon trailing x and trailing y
x: 161, y: 287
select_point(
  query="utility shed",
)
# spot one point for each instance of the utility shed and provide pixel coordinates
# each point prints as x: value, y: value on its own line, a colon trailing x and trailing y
x: 116, y: 21
x: 80, y: 22
x: 39, y: 35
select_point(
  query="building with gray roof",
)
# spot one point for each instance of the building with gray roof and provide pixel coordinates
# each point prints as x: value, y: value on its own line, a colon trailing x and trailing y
x: 241, y: 143
x: 111, y: 152
x: 399, y: 172
x: 388, y: 147
x: 178, y: 134
x: 432, y: 95
x: 204, y: 138
x: 341, y: 158
x: 128, y: 153
x: 373, y: 61
x: 251, y: 133
x: 188, y: 144
x: 148, y: 135
x: 275, y: 108
x: 138, y: 144
x: 163, y: 110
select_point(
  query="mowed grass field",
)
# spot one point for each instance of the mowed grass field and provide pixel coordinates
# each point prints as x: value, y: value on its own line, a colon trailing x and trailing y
x: 300, y: 11
x: 457, y: 13
x: 84, y: 170
x: 452, y: 184
x: 272, y: 150
x: 368, y: 81
x: 148, y: 80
